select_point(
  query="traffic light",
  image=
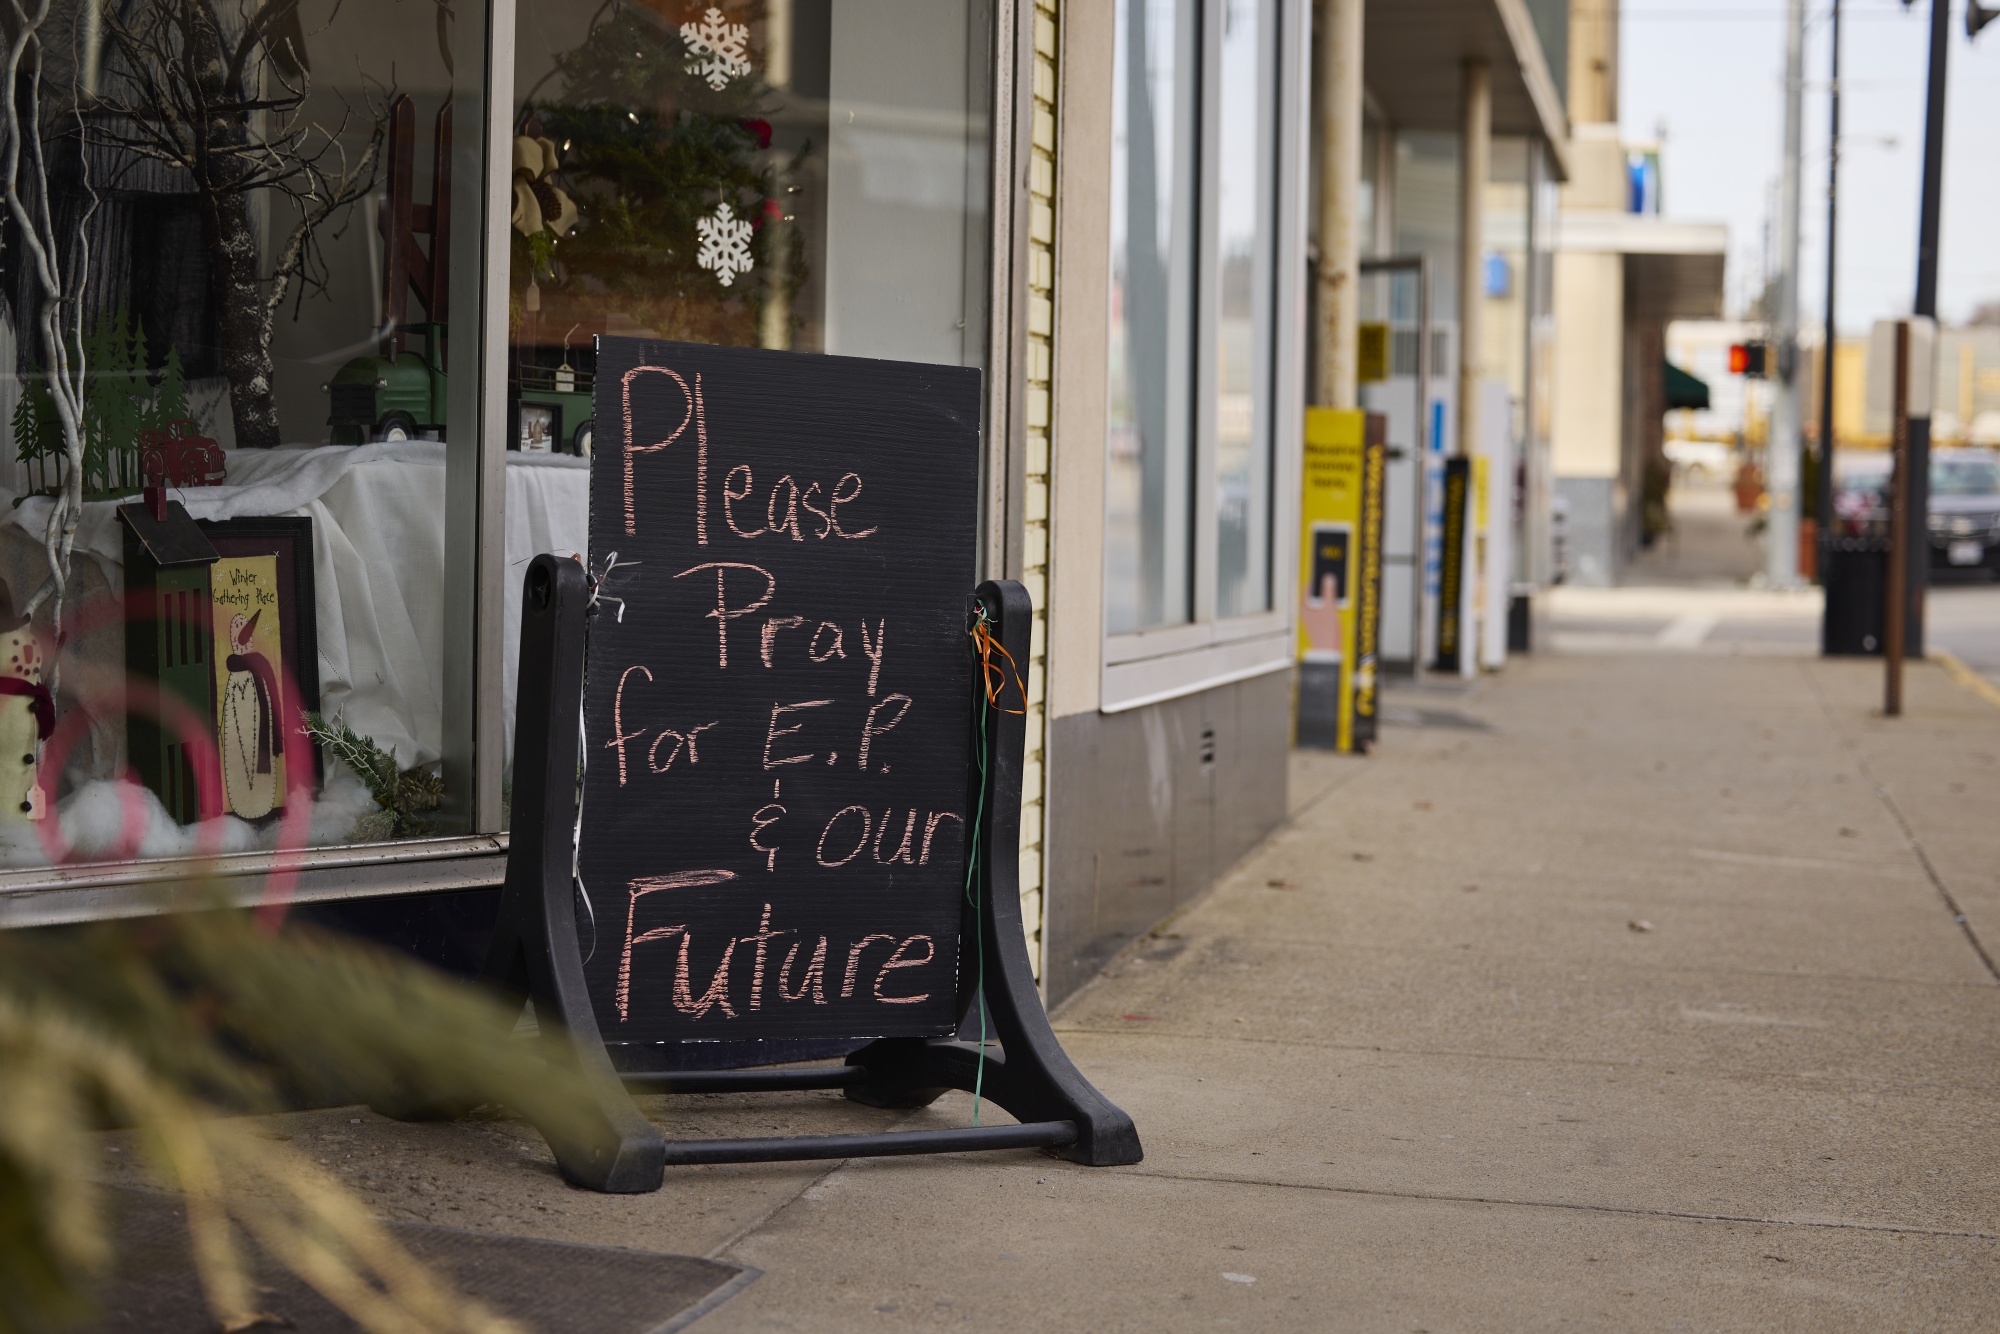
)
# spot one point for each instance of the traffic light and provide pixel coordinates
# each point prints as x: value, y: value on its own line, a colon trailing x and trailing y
x: 1747, y: 359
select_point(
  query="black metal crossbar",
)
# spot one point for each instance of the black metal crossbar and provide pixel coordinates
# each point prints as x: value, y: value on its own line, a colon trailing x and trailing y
x: 885, y: 1144
x: 746, y: 1081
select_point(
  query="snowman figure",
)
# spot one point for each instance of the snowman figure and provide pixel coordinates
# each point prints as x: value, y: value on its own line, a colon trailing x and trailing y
x: 249, y: 724
x: 27, y: 715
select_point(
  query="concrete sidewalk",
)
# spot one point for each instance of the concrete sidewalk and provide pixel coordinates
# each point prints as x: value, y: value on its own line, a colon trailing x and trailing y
x: 1624, y: 992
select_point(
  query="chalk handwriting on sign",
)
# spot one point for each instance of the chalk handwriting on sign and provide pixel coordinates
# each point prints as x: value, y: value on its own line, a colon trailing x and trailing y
x: 778, y: 726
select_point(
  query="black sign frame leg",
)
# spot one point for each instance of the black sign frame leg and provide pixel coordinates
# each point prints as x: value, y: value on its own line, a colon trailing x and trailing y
x: 537, y: 957
x: 1033, y: 1079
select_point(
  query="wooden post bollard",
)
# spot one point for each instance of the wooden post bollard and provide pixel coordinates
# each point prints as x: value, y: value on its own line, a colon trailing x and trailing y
x: 1896, y: 590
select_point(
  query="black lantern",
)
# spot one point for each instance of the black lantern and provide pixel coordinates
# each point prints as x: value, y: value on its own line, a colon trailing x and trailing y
x: 169, y: 644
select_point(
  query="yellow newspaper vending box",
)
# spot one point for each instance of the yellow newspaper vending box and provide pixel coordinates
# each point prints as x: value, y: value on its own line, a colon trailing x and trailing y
x: 1340, y: 577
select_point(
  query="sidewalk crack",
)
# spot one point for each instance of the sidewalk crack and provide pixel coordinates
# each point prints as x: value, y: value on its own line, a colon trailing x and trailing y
x: 1902, y: 822
x: 721, y: 1250
x: 1682, y: 1215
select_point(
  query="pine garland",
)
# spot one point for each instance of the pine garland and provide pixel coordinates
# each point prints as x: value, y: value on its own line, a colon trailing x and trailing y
x: 405, y: 796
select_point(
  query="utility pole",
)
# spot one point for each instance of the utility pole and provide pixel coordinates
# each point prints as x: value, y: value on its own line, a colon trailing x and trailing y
x: 1919, y: 484
x: 1781, y: 453
x: 1823, y: 499
x: 1338, y: 31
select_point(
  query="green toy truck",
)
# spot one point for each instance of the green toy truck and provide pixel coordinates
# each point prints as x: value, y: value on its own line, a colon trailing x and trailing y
x: 402, y: 396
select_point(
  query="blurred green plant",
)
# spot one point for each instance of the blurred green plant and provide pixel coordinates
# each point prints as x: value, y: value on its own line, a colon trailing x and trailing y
x: 173, y: 1026
x: 404, y: 797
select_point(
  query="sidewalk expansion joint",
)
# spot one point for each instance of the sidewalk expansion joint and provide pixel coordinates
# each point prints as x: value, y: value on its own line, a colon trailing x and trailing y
x: 1677, y: 1215
x: 720, y: 1251
x: 1655, y: 969
x: 1793, y: 1078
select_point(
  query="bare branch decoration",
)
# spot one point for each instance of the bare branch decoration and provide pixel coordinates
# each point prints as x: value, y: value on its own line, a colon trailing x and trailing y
x: 24, y: 181
x: 225, y: 101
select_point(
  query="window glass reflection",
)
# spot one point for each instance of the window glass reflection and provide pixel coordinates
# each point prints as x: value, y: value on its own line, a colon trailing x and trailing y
x: 232, y: 278
x: 800, y: 174
x: 1246, y: 162
x: 1148, y: 472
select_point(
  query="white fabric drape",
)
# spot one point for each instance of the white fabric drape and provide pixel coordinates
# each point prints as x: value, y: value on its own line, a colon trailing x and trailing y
x: 378, y: 565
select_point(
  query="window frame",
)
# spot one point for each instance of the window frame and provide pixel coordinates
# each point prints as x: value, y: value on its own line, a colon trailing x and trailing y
x: 485, y: 38
x: 1149, y: 666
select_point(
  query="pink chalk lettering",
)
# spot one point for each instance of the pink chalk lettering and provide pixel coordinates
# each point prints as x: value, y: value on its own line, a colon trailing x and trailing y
x: 765, y: 935
x: 682, y: 740
x: 813, y: 979
x: 833, y: 650
x: 619, y: 736
x: 839, y: 500
x: 790, y: 523
x: 825, y: 518
x: 633, y: 450
x: 724, y: 613
x: 771, y: 628
x: 897, y: 960
x: 870, y: 729
x: 874, y: 651
x: 718, y: 987
x: 652, y: 884
x: 930, y: 828
x: 867, y: 823
x: 854, y: 960
x: 730, y: 497
x: 776, y: 731
x: 700, y: 466
x: 765, y: 816
x: 901, y: 854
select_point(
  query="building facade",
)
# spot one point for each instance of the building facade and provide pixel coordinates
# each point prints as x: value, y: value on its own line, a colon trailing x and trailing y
x: 370, y: 274
x: 1622, y: 273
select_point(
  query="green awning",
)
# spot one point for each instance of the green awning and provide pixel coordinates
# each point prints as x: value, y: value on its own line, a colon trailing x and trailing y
x: 1684, y: 390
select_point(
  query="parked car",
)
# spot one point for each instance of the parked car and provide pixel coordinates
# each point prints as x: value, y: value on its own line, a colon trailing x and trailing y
x: 1964, y: 507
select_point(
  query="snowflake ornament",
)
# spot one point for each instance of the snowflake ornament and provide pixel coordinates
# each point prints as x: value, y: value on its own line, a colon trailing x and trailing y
x: 725, y: 244
x: 715, y: 48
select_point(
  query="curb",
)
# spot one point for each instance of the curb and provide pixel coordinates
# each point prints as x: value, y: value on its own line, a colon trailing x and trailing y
x: 1966, y: 677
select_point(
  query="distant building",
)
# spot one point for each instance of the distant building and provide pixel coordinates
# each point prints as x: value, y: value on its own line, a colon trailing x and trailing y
x: 1622, y: 272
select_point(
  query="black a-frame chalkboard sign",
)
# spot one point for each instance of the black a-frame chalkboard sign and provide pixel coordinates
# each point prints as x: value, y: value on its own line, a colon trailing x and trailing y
x: 801, y: 745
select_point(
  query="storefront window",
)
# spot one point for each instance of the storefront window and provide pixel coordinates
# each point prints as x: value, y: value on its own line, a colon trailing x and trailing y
x: 797, y: 174
x: 231, y: 268
x: 1193, y: 330
x: 269, y: 293
x: 1148, y: 494
x: 1246, y: 199
x: 804, y: 175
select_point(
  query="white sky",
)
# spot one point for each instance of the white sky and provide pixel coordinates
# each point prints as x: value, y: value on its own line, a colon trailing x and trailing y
x: 1710, y: 74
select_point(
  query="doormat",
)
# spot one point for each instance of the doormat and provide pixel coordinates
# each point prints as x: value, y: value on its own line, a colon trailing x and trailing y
x: 549, y: 1287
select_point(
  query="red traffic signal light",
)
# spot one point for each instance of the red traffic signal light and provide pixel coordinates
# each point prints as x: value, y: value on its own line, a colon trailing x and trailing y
x: 1747, y: 359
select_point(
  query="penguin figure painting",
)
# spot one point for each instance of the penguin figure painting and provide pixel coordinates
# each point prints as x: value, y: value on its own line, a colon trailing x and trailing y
x: 27, y: 715
x: 251, y: 748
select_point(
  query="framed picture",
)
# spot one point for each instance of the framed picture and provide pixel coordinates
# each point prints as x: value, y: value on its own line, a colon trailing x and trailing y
x: 264, y: 618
